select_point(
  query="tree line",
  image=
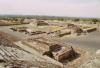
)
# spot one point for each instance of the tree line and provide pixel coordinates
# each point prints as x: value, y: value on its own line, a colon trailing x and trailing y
x: 22, y: 17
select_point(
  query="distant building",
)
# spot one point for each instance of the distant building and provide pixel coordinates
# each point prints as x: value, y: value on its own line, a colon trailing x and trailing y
x: 39, y: 23
x: 29, y: 20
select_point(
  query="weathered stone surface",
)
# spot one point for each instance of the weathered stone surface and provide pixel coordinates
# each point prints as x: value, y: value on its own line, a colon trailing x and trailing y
x: 94, y: 63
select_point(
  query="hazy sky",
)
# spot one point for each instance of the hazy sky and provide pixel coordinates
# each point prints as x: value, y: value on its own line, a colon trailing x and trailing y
x: 83, y: 8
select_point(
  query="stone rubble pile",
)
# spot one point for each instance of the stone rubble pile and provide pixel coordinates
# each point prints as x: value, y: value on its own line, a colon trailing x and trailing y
x: 94, y: 62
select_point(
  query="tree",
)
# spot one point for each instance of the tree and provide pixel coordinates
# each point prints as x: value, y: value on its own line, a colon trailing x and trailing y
x: 94, y: 20
x: 76, y: 20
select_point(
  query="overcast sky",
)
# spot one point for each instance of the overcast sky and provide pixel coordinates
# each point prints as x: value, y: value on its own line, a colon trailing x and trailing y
x: 76, y: 8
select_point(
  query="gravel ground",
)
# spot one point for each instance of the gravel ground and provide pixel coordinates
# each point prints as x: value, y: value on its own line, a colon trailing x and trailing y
x: 7, y: 29
x: 89, y: 42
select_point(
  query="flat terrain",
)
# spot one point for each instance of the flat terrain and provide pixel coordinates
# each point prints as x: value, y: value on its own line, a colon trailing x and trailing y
x: 7, y: 29
x: 90, y: 42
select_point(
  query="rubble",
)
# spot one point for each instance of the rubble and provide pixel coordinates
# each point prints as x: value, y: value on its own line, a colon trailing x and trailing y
x: 51, y: 49
x: 93, y: 62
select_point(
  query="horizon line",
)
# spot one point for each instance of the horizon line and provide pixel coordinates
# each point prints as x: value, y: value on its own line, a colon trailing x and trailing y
x: 48, y: 15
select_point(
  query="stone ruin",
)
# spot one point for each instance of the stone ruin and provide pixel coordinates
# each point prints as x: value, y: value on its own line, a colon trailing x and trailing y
x: 54, y: 50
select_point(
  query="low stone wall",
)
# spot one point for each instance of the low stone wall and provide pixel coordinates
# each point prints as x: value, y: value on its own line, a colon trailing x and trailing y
x: 67, y: 33
x: 90, y: 29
